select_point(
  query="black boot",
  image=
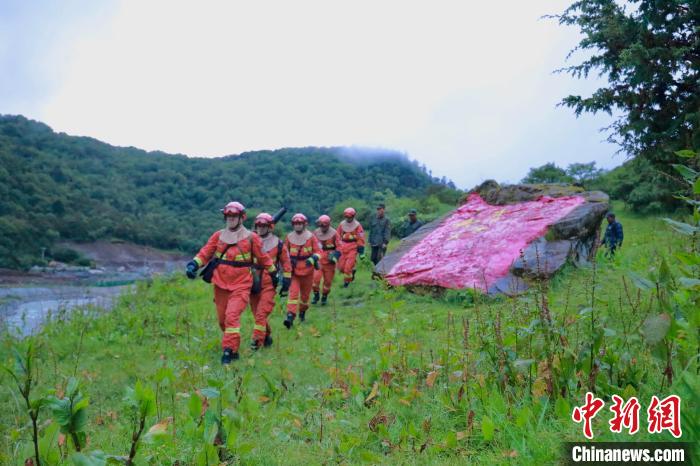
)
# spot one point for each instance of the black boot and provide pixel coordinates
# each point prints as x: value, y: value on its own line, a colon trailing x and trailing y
x: 289, y: 321
x: 228, y: 356
x: 324, y: 300
x: 255, y: 345
x: 302, y: 316
x: 316, y: 296
x: 268, y: 341
x: 353, y: 274
x: 346, y: 284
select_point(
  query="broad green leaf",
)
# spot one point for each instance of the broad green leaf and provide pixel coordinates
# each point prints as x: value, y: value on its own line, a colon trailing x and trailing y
x: 451, y: 440
x: 523, y: 417
x: 562, y: 408
x: 688, y: 259
x: 194, y: 405
x: 655, y: 328
x: 629, y: 392
x: 680, y: 227
x: 245, y: 448
x: 488, y: 427
x: 688, y: 282
x: 640, y: 282
x: 686, y: 153
x: 96, y: 458
x: 79, y: 421
x: 80, y: 403
x: 210, y: 392
x: 686, y: 172
x: 665, y: 277
x: 72, y: 387
x: 523, y: 364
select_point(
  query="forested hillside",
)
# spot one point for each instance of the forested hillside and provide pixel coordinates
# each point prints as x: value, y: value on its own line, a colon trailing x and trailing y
x: 54, y: 186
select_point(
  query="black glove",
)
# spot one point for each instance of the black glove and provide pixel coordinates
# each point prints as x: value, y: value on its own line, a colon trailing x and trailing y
x: 275, y: 279
x: 313, y: 261
x: 286, y: 281
x: 361, y: 251
x: 191, y: 270
x: 335, y: 256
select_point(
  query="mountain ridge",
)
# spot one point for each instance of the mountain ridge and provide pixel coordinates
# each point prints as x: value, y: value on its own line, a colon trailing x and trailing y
x: 56, y: 186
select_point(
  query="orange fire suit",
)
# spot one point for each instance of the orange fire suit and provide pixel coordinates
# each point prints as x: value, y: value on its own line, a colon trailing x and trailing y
x: 301, y: 247
x: 263, y: 303
x: 327, y: 271
x: 232, y: 282
x: 350, y: 236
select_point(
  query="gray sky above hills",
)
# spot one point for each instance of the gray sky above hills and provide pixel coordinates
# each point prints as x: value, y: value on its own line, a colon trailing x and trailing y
x: 465, y: 87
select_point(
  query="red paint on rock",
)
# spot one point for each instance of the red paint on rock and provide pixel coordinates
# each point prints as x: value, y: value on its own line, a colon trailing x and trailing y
x: 478, y: 243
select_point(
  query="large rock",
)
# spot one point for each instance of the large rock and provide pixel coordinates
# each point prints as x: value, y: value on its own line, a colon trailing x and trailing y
x: 569, y: 237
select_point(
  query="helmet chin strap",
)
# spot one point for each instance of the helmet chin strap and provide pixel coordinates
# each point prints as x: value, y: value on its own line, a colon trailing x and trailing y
x: 235, y: 228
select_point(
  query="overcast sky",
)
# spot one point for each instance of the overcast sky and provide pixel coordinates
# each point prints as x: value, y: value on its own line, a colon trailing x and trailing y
x: 465, y: 87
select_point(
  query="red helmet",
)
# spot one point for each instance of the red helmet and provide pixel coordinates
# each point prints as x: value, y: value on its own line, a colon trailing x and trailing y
x: 349, y: 212
x: 263, y: 218
x: 299, y: 218
x: 234, y: 208
x: 323, y: 220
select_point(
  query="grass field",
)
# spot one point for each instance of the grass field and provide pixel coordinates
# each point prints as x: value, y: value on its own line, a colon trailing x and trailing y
x: 378, y: 376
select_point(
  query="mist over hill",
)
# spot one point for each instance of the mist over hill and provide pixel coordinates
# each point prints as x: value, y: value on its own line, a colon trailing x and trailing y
x: 59, y: 187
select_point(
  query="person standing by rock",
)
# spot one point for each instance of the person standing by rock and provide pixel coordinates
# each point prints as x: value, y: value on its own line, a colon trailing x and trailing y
x: 411, y: 225
x: 379, y: 234
x: 613, y: 235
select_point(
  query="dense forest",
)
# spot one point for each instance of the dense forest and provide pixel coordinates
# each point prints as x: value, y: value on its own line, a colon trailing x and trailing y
x: 59, y: 187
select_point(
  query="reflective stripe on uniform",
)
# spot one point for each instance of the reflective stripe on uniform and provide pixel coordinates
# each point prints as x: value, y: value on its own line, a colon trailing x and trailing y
x: 287, y: 274
x: 240, y: 257
x: 198, y: 261
x: 260, y: 328
x: 232, y: 330
x: 293, y: 301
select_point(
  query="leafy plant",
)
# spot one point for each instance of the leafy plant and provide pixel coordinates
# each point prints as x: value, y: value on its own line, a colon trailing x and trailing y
x: 70, y: 412
x: 141, y: 401
x: 25, y: 375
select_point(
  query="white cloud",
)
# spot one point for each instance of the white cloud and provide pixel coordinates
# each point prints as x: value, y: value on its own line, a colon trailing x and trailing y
x: 465, y: 87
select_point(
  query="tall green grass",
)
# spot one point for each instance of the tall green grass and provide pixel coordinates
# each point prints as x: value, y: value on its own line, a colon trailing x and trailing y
x: 379, y: 376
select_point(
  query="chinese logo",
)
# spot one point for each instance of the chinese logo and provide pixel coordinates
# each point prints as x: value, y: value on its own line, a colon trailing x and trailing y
x: 661, y: 415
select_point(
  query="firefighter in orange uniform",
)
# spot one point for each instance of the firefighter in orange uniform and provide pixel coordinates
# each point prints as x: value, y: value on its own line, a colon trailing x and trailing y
x: 304, y: 252
x: 351, y: 243
x: 326, y: 236
x: 263, y: 303
x: 233, y: 249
